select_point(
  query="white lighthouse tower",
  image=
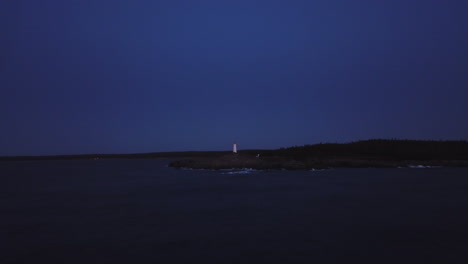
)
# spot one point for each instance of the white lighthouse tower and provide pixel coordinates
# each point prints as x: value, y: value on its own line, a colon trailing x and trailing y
x: 234, y: 148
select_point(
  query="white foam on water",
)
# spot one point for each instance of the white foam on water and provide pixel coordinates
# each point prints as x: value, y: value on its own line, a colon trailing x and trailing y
x: 423, y: 167
x: 241, y: 171
x: 317, y: 169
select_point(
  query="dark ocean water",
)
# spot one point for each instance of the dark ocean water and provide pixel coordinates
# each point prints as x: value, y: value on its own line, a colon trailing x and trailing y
x: 140, y: 211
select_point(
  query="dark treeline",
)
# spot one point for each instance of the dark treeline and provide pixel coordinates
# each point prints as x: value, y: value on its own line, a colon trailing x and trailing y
x: 381, y: 148
x: 397, y: 150
x: 376, y: 153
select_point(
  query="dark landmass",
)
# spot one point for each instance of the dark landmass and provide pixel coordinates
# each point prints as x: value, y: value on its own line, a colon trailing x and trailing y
x: 377, y: 153
x: 361, y: 154
x: 152, y: 155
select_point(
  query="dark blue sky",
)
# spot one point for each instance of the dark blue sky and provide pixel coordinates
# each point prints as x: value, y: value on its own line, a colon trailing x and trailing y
x: 109, y: 76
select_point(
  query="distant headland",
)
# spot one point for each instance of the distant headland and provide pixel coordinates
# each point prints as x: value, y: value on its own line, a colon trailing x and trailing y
x: 376, y: 153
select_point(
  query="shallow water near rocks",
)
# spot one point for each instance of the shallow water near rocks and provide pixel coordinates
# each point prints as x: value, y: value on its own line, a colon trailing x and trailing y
x: 141, y: 211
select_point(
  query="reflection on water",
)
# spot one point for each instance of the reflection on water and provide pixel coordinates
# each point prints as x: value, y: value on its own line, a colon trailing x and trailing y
x: 133, y: 211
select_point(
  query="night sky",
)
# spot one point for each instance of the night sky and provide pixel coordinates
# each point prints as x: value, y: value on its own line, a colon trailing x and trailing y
x: 110, y: 76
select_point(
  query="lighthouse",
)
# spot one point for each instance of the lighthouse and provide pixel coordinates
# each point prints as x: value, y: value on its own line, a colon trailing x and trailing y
x: 234, y: 148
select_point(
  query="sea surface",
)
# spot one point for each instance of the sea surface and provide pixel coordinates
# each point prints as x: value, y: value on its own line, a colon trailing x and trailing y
x: 141, y: 211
